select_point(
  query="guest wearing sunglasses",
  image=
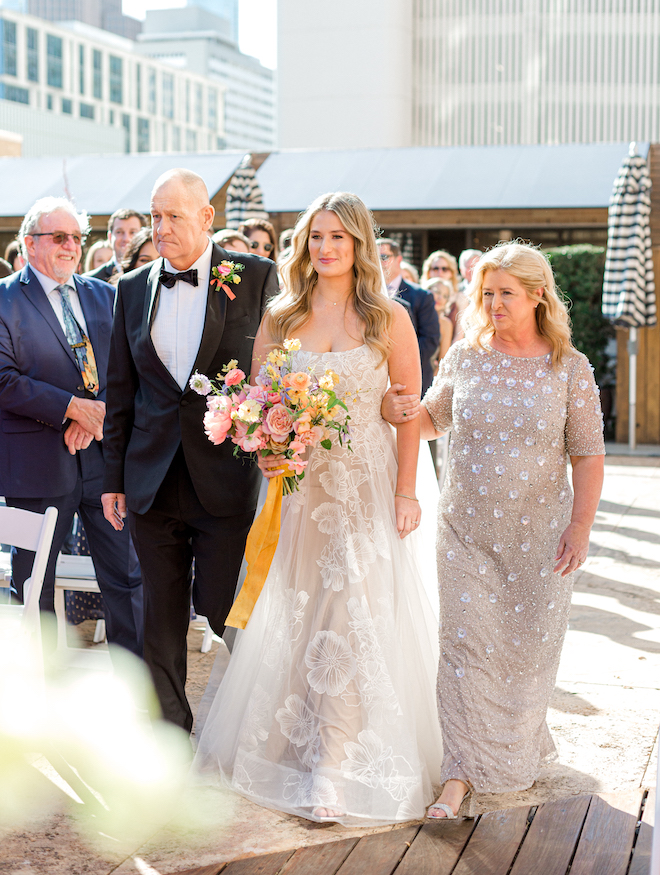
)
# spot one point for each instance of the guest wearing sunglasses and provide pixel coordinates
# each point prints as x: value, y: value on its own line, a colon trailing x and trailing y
x: 261, y: 235
x: 442, y: 265
x: 54, y: 344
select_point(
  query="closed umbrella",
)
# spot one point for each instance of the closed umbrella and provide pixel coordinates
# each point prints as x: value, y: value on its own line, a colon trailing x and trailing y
x: 628, y: 283
x: 244, y: 198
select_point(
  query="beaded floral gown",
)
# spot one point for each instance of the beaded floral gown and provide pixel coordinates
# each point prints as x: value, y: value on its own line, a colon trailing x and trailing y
x: 329, y: 698
x: 504, y: 505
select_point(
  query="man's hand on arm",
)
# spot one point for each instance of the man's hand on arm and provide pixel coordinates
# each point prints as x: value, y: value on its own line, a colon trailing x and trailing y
x: 396, y: 408
x: 114, y: 509
x: 77, y: 438
x: 88, y: 414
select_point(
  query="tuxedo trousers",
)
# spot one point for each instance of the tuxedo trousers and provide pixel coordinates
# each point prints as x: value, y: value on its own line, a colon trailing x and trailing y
x: 113, y: 554
x: 175, y: 531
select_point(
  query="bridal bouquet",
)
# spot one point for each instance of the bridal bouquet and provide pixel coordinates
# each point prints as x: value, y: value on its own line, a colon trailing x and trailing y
x: 286, y: 412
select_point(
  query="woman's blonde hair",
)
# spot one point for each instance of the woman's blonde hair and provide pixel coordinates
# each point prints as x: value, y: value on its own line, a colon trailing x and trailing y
x: 451, y: 261
x: 292, y: 308
x: 532, y: 269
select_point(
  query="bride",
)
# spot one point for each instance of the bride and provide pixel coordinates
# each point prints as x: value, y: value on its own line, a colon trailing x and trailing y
x: 328, y: 708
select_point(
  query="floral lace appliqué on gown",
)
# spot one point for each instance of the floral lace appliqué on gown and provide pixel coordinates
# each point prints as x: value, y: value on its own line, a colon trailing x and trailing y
x: 329, y: 699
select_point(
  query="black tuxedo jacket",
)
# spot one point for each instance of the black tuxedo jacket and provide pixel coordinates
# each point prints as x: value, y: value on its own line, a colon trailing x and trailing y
x: 104, y: 272
x: 148, y: 415
x: 427, y: 325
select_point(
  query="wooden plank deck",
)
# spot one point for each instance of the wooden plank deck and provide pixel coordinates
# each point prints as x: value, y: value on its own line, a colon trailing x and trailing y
x: 606, y: 834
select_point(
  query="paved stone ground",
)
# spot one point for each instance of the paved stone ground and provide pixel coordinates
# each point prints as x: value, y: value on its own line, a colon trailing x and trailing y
x: 604, y: 712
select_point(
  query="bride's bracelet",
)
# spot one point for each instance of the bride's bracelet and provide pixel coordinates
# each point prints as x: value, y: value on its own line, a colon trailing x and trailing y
x: 409, y: 497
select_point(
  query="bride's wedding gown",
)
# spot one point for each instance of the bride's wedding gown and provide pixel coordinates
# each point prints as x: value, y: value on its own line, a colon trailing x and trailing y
x: 329, y: 698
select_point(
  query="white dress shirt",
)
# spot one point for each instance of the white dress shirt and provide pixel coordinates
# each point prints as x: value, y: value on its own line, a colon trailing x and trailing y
x: 394, y: 286
x: 55, y: 299
x: 177, y: 328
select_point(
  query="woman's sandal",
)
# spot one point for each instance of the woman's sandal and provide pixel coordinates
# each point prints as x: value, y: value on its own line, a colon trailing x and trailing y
x: 330, y: 815
x: 446, y: 809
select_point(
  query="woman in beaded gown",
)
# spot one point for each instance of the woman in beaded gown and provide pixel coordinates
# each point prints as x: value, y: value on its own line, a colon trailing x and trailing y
x: 519, y: 399
x: 327, y: 709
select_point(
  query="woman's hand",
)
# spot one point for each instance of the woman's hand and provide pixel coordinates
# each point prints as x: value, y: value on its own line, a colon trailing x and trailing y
x: 272, y: 466
x: 408, y: 515
x: 396, y: 408
x: 573, y: 549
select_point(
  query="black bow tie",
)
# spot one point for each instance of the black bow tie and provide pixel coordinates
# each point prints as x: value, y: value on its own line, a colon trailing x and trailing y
x: 168, y: 279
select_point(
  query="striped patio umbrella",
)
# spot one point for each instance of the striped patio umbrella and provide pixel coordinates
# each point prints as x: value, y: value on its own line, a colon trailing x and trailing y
x: 244, y: 198
x: 628, y: 283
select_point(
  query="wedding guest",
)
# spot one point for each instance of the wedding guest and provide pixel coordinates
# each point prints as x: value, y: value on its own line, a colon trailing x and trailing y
x: 422, y: 309
x: 232, y: 240
x: 442, y: 264
x: 441, y: 291
x: 122, y: 226
x: 467, y: 261
x: 14, y: 255
x: 261, y: 235
x: 409, y: 272
x: 97, y: 255
x: 327, y: 709
x: 5, y: 268
x: 519, y: 399
x: 140, y: 251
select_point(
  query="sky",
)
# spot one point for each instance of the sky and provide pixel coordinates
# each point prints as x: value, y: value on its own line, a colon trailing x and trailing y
x: 257, y: 24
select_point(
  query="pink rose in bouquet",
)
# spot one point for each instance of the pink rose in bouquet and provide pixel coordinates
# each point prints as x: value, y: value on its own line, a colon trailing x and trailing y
x: 234, y: 377
x: 279, y: 421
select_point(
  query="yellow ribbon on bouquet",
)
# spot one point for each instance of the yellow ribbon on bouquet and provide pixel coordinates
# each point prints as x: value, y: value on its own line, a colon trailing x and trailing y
x: 259, y: 551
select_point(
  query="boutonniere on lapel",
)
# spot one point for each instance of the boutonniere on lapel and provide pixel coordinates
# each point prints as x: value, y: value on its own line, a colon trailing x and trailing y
x: 227, y: 272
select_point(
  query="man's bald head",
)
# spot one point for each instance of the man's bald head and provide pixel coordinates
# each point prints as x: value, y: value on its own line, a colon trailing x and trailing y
x: 186, y: 180
x: 181, y: 216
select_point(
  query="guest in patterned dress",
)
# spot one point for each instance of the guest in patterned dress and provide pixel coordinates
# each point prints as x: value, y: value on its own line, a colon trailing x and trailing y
x: 519, y: 399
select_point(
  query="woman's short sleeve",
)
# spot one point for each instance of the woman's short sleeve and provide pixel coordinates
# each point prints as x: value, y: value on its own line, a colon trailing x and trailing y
x: 439, y: 398
x: 584, y: 418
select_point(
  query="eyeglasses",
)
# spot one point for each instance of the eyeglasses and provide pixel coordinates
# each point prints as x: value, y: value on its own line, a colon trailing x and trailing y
x: 60, y: 237
x: 384, y: 257
x: 437, y: 267
x: 254, y: 244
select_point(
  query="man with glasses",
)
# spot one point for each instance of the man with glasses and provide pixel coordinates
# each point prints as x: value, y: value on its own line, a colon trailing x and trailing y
x: 54, y: 342
x: 123, y: 225
x: 422, y: 306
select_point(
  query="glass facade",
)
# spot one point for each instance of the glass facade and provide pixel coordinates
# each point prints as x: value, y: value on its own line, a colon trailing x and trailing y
x: 168, y: 95
x: 143, y: 138
x: 32, y: 54
x: 54, y: 68
x: 116, y: 79
x: 97, y: 65
x: 8, y: 47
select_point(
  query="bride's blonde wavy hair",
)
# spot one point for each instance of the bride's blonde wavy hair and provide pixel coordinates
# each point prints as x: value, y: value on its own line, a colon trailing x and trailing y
x: 528, y: 265
x: 292, y: 308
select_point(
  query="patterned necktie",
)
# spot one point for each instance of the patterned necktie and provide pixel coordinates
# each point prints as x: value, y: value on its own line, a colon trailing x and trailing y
x: 79, y: 343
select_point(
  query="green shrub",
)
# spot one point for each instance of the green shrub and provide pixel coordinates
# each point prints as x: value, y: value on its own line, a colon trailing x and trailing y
x: 579, y: 274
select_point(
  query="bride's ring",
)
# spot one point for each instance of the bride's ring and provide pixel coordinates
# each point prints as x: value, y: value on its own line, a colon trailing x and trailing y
x: 404, y: 413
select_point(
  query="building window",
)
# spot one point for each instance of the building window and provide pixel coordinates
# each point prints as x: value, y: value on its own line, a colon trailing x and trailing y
x: 199, y: 106
x: 191, y: 141
x: 97, y: 64
x: 187, y: 101
x: 126, y: 125
x: 86, y: 110
x: 111, y: 117
x: 213, y: 109
x: 13, y: 93
x: 168, y: 95
x: 143, y: 135
x: 32, y: 54
x: 54, y: 61
x: 176, y: 139
x: 138, y: 86
x: 152, y: 91
x: 116, y: 79
x: 81, y: 69
x: 67, y: 106
x: 8, y: 48
x: 164, y: 143
x: 49, y: 101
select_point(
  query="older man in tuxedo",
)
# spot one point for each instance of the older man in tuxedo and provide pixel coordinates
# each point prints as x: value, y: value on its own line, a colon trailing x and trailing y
x: 185, y: 498
x: 54, y: 341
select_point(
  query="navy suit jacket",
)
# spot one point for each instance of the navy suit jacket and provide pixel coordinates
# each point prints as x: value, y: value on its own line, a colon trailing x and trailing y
x: 149, y: 416
x: 104, y: 272
x: 427, y: 325
x: 38, y: 376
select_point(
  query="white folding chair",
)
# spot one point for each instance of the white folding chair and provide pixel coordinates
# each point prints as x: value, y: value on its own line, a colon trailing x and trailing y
x: 28, y: 531
x: 77, y: 574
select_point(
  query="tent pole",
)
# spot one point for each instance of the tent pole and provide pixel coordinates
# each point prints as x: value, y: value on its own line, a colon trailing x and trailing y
x: 632, y: 389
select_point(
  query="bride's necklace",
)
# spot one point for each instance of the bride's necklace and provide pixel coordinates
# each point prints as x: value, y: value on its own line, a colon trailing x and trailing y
x: 344, y: 301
